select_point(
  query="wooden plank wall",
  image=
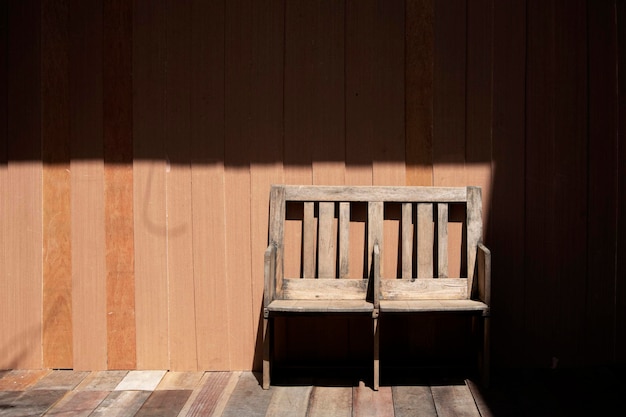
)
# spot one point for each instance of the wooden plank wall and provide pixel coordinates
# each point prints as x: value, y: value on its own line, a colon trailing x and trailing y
x: 139, y: 139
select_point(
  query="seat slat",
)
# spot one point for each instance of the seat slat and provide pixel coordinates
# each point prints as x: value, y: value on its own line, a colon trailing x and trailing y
x: 405, y: 306
x: 320, y: 306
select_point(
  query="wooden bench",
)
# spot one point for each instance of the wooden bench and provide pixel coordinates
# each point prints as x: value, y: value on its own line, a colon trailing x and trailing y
x: 326, y: 284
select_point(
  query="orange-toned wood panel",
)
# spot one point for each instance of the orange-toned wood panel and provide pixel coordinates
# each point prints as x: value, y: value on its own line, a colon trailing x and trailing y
x: 118, y: 178
x: 57, y: 247
x: 87, y: 192
x: 20, y: 341
x: 507, y: 202
x: 183, y: 354
x: 265, y: 134
x: 419, y: 51
x: 207, y: 182
x: 149, y: 165
x: 449, y: 94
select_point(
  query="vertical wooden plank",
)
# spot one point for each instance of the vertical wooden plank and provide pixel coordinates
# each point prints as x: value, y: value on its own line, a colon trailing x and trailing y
x: 407, y: 240
x: 151, y: 303
x: 442, y: 241
x: 180, y: 272
x: 449, y: 109
x: 375, y: 214
x: 55, y: 135
x: 474, y: 231
x: 22, y: 170
x: 88, y: 226
x: 620, y: 290
x: 418, y: 87
x: 207, y: 184
x: 309, y: 247
x: 5, y: 303
x: 254, y: 74
x: 118, y: 180
x: 425, y: 241
x: 327, y: 247
x: 344, y: 239
x: 479, y: 100
x: 507, y: 205
x: 603, y: 183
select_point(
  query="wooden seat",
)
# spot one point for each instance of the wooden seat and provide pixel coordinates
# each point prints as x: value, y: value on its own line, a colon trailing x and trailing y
x: 326, y: 286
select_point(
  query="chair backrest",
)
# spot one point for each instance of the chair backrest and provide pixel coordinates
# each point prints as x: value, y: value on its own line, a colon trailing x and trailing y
x: 335, y: 222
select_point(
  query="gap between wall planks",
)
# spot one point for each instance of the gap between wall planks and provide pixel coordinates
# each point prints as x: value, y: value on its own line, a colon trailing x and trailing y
x: 118, y: 184
x: 150, y: 227
x: 87, y: 182
x: 56, y: 199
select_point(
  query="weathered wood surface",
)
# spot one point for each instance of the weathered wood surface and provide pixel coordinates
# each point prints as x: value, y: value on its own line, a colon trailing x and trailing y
x: 375, y: 193
x: 424, y: 288
x: 324, y: 289
x: 234, y: 394
x: 320, y: 306
x: 408, y: 306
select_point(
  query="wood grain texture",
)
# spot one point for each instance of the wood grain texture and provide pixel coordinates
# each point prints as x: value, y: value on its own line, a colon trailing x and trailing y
x: 180, y: 273
x: 203, y: 401
x: 331, y: 402
x: 327, y: 243
x: 63, y: 380
x: 164, y: 403
x: 370, y: 403
x: 121, y: 404
x: 418, y: 86
x: 55, y: 125
x: 248, y: 398
x: 77, y: 404
x: 454, y: 400
x: 207, y: 184
x: 151, y: 302
x: 22, y: 212
x: 413, y: 400
x: 180, y: 381
x: 118, y: 183
x: 102, y: 380
x: 21, y: 380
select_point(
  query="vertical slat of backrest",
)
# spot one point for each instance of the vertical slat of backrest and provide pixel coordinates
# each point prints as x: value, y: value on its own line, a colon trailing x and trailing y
x: 407, y: 240
x: 442, y: 240
x: 375, y: 215
x: 474, y: 231
x: 277, y: 231
x: 308, y: 240
x: 327, y: 241
x: 344, y: 239
x: 425, y: 240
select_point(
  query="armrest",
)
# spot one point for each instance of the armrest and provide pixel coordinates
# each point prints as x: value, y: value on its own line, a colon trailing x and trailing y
x: 376, y: 273
x: 270, y: 277
x: 484, y: 274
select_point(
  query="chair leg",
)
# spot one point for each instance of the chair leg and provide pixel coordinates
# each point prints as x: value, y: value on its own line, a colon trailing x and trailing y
x: 486, y: 368
x: 376, y: 356
x: 266, y: 353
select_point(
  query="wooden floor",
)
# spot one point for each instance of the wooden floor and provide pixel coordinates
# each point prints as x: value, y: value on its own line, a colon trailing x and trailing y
x: 238, y: 394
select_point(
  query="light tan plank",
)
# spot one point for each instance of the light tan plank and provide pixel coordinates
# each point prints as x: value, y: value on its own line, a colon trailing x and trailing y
x: 454, y: 400
x: 151, y: 302
x: 320, y: 306
x: 370, y: 403
x: 101, y: 381
x: 118, y: 157
x: 207, y: 184
x: 412, y: 401
x: 55, y: 143
x: 407, y: 240
x: 324, y: 288
x: 344, y: 240
x: 442, y: 240
x: 309, y: 246
x: 289, y: 401
x: 425, y: 241
x: 396, y: 194
x: 180, y: 381
x: 140, y: 381
x: 327, y: 247
x: 248, y: 398
x: 424, y: 288
x: 330, y: 402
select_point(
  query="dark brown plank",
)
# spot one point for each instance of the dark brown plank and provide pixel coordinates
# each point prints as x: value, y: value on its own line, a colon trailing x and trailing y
x: 508, y: 149
x: 420, y: 50
x: 603, y: 181
x: 118, y: 183
x: 205, y: 401
x: 32, y: 403
x: 164, y: 403
x: 77, y: 404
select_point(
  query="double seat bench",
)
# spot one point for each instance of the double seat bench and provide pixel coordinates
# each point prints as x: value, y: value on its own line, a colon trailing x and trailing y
x: 419, y: 283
